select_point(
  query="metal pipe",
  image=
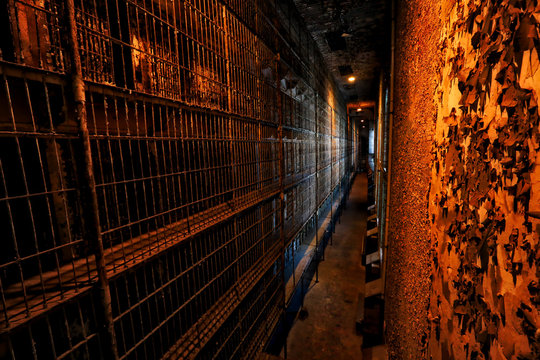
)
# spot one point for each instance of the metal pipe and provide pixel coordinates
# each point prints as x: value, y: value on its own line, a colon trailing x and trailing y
x: 390, y: 125
x: 380, y: 145
x: 93, y: 227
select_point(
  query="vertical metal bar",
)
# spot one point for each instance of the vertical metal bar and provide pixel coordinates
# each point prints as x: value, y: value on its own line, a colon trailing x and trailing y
x: 12, y: 9
x: 390, y: 126
x: 331, y: 224
x: 317, y: 254
x: 92, y: 221
x: 283, y: 240
x: 227, y: 57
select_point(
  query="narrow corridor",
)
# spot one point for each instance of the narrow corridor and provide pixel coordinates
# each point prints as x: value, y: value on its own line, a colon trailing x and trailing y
x: 270, y: 179
x: 327, y: 330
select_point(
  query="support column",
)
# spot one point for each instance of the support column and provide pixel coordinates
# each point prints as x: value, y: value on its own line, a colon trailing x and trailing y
x: 91, y: 208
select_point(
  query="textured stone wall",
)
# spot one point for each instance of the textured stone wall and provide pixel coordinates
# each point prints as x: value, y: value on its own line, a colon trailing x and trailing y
x: 485, y: 190
x: 408, y: 266
x: 464, y: 228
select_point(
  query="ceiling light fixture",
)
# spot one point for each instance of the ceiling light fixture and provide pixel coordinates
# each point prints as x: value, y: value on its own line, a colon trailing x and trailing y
x: 351, y: 78
x: 359, y: 109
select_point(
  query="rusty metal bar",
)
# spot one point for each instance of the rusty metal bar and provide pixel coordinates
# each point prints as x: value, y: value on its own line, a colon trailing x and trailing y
x: 93, y: 227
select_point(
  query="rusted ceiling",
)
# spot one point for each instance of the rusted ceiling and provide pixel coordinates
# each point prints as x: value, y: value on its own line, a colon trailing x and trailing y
x: 353, y: 36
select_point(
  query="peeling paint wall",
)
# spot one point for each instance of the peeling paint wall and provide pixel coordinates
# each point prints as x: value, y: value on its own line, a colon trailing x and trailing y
x: 467, y: 88
x: 485, y: 184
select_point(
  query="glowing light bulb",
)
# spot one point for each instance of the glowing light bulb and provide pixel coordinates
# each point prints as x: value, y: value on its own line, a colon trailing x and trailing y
x: 351, y: 78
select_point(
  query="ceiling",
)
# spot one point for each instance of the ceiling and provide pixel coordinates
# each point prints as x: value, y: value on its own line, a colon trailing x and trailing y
x: 353, y: 36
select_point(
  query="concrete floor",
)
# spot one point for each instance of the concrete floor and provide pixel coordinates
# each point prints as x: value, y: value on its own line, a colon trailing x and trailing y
x: 329, y: 330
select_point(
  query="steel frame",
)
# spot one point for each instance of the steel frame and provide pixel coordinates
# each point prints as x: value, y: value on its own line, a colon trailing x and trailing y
x: 160, y: 162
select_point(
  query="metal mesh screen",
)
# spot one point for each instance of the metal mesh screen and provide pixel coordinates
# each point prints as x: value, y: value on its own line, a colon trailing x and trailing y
x: 212, y: 150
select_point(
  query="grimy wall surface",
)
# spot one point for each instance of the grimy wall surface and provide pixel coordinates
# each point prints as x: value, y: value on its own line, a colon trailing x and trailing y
x: 480, y: 246
x: 160, y: 161
x: 408, y: 281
